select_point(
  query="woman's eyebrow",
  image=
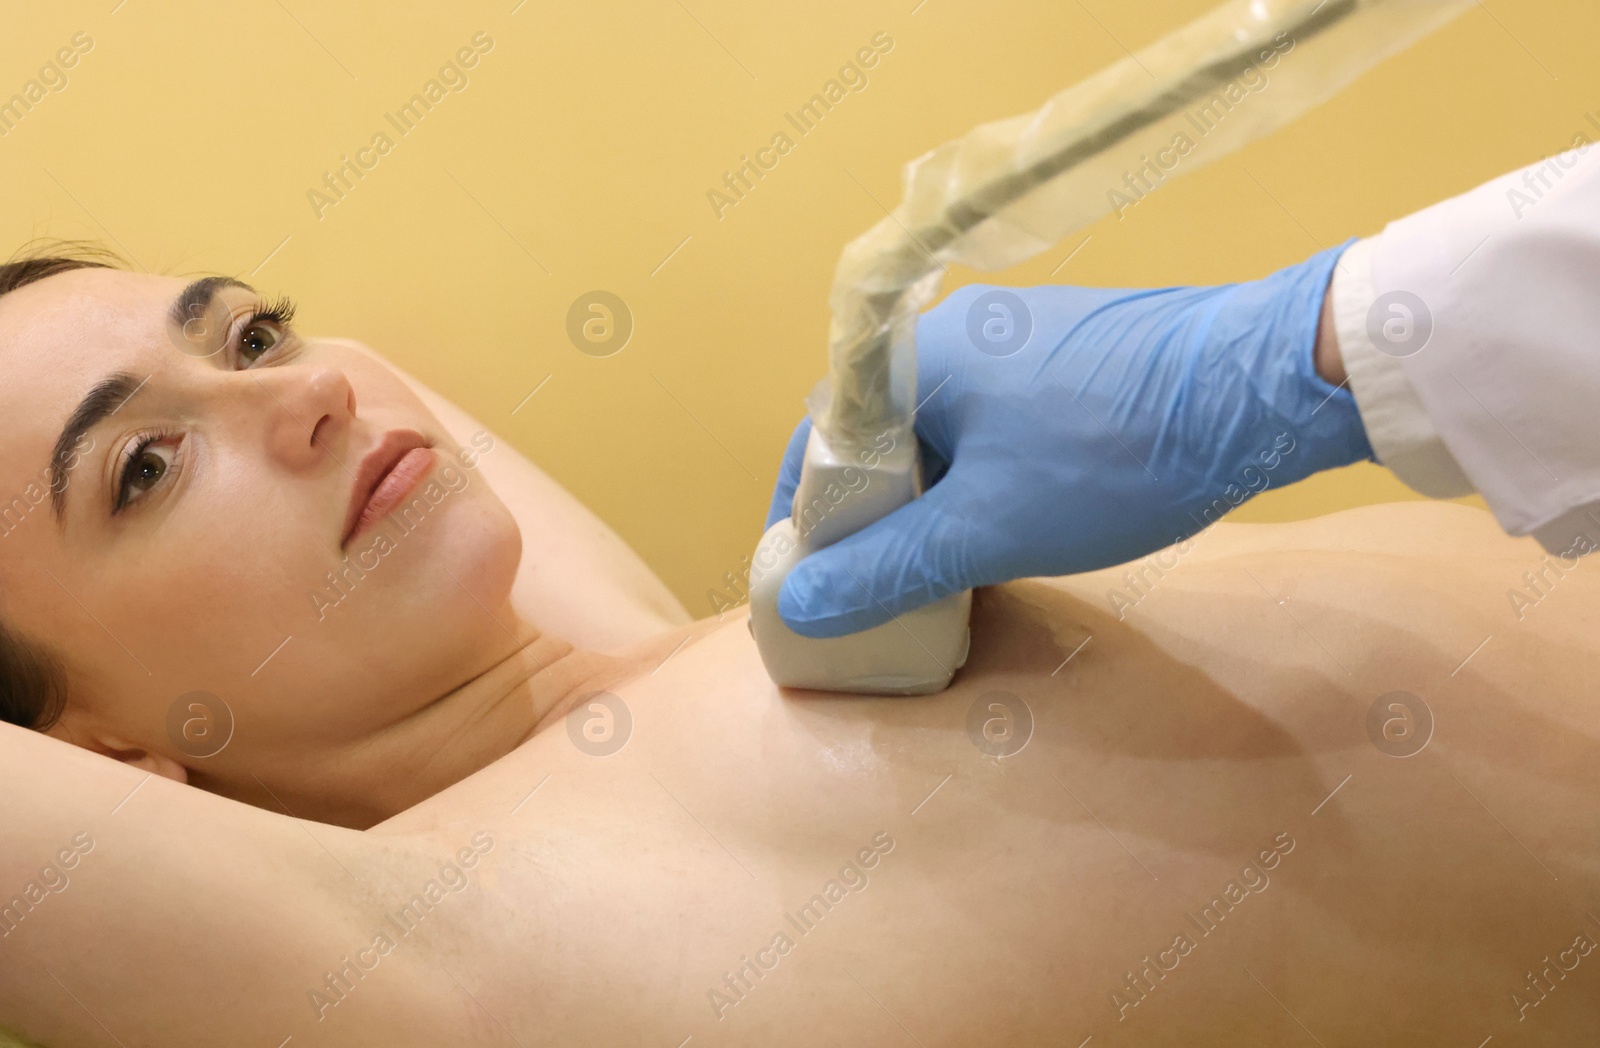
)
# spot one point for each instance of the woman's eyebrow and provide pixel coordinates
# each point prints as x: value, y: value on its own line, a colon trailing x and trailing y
x: 100, y: 403
x: 193, y: 301
x: 112, y: 392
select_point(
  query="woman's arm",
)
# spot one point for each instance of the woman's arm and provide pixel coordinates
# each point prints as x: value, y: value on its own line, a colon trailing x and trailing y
x: 136, y: 910
x: 578, y: 579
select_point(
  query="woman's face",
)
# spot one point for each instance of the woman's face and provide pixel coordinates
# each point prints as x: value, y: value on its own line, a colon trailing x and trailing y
x: 207, y: 467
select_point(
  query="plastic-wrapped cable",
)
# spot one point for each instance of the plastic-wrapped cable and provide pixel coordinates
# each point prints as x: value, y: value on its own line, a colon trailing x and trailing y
x: 1005, y: 191
x: 1010, y: 189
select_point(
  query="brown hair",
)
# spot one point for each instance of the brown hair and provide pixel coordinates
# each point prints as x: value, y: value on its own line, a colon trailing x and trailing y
x: 33, y: 690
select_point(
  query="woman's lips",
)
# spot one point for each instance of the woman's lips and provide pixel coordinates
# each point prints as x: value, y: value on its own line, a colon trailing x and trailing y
x: 391, y: 488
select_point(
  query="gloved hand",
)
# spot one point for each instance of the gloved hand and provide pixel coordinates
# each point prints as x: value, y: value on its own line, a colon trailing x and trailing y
x: 1067, y: 429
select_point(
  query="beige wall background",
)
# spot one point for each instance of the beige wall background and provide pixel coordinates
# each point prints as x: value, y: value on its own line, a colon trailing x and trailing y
x: 578, y: 153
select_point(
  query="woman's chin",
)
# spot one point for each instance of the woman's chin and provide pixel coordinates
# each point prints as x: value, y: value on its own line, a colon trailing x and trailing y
x: 473, y: 557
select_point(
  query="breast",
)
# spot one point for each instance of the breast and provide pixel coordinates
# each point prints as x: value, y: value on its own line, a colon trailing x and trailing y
x: 1190, y: 827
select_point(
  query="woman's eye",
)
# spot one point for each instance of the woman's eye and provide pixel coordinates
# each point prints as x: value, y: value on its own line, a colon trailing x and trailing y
x: 267, y: 329
x: 257, y: 340
x: 144, y: 470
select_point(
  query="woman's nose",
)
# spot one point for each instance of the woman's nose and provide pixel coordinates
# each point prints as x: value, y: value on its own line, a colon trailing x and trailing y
x: 310, y: 409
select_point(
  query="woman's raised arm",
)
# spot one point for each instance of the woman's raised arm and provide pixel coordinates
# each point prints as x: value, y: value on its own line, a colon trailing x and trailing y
x: 136, y: 910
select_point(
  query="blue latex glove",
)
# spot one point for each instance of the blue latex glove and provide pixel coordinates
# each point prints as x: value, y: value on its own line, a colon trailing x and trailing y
x: 1067, y: 429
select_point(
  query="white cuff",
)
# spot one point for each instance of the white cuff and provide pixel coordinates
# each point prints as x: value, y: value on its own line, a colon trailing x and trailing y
x: 1402, y: 435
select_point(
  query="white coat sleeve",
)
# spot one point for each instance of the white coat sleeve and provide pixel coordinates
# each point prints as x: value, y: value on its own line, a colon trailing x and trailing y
x: 1471, y: 334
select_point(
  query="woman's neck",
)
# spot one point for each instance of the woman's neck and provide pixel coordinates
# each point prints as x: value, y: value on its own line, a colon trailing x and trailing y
x: 528, y: 689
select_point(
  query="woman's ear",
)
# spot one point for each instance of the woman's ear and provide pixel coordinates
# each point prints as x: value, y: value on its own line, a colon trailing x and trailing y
x: 82, y: 730
x: 154, y: 763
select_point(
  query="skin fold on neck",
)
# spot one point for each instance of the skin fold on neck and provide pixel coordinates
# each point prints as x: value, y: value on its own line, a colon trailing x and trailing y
x: 528, y: 690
